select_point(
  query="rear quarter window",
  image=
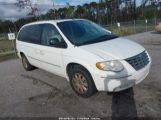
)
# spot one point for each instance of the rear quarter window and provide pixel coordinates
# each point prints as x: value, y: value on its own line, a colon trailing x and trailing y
x: 31, y: 34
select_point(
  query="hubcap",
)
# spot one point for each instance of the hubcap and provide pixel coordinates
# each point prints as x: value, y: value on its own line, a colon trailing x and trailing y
x: 80, y: 83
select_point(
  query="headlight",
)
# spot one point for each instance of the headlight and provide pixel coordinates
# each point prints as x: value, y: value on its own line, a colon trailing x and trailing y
x: 115, y: 66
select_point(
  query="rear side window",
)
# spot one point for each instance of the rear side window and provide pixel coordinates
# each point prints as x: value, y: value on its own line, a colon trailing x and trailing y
x: 31, y: 34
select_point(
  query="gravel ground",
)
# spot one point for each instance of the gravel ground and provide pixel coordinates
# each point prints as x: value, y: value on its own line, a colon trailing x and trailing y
x: 42, y: 94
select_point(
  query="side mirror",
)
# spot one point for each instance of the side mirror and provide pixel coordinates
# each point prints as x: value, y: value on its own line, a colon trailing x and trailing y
x: 56, y: 43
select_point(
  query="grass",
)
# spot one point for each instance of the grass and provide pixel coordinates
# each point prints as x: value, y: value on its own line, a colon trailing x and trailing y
x: 6, y: 45
x: 6, y: 50
x: 129, y: 30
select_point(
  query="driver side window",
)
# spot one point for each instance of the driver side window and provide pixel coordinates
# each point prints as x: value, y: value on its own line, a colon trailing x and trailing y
x: 50, y: 33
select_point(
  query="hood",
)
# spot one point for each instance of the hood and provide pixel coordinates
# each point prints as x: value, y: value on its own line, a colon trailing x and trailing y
x: 119, y: 48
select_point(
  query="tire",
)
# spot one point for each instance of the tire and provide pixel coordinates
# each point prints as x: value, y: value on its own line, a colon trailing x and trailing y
x: 82, y: 82
x: 27, y: 66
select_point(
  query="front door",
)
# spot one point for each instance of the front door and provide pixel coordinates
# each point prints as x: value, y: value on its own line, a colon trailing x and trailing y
x: 50, y: 55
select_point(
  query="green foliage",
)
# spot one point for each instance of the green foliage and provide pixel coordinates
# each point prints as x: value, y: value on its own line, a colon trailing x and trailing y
x: 148, y: 13
x: 6, y: 26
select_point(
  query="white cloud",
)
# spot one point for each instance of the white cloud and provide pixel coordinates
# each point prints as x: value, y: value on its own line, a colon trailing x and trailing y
x: 8, y: 10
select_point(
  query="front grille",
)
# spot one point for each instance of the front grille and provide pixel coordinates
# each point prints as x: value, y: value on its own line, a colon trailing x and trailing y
x: 139, y: 61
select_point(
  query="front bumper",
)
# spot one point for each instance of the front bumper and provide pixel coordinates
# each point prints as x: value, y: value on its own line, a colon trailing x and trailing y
x: 121, y: 81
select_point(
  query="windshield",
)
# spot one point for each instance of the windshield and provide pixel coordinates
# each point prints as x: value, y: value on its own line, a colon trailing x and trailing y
x: 83, y: 32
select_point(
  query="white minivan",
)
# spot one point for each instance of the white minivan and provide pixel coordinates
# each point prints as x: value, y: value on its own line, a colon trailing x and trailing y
x: 89, y: 56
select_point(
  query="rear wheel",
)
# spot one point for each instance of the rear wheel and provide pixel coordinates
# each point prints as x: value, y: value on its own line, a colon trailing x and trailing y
x: 26, y: 63
x: 82, y: 82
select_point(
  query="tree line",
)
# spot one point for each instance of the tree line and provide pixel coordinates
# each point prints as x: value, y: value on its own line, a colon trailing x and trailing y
x: 103, y: 12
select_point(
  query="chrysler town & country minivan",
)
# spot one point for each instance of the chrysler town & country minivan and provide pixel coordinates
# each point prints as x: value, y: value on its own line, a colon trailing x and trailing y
x: 90, y: 57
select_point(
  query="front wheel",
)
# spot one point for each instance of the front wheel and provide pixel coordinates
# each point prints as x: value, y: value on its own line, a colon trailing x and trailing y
x: 82, y: 82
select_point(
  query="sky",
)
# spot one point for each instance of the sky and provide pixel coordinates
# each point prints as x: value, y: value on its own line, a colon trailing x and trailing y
x: 9, y: 11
